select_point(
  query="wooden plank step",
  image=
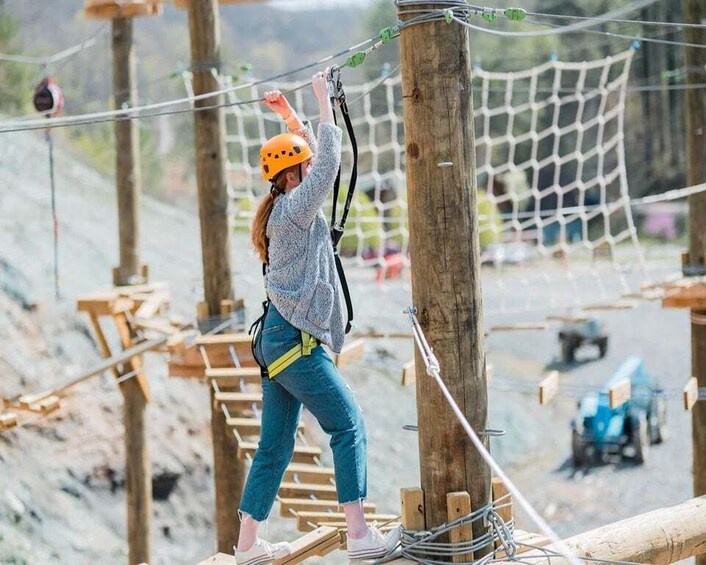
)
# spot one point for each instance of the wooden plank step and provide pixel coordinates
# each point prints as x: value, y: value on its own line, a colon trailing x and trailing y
x: 240, y: 401
x: 302, y: 490
x: 251, y: 426
x: 287, y: 505
x: 39, y: 404
x: 223, y: 339
x: 307, y: 521
x: 341, y: 527
x: 233, y: 376
x: 319, y: 542
x: 7, y: 421
x: 220, y: 559
x: 303, y: 473
x: 302, y: 453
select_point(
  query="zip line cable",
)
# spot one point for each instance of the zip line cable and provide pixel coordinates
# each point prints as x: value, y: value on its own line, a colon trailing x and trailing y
x: 63, y: 54
x: 679, y: 25
x: 137, y: 112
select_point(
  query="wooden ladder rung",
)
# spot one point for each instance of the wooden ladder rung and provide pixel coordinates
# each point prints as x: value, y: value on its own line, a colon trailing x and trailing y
x: 223, y: 339
x: 7, y: 421
x: 309, y: 520
x: 239, y: 401
x: 251, y: 426
x: 302, y: 453
x: 318, y: 542
x: 304, y: 473
x: 289, y: 505
x: 232, y: 376
x: 299, y: 490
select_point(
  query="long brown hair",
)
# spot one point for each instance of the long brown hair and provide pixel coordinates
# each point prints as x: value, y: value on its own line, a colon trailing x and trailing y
x: 258, y: 234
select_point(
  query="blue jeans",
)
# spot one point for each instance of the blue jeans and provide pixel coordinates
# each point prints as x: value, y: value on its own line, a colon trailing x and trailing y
x: 312, y: 381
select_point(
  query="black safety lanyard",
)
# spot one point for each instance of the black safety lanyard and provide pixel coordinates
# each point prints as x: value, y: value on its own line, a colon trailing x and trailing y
x: 338, y: 98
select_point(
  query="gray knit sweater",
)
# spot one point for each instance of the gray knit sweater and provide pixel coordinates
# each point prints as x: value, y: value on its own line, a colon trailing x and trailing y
x: 301, y: 278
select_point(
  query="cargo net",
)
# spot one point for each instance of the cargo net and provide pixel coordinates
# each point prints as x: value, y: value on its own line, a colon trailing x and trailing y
x: 551, y: 176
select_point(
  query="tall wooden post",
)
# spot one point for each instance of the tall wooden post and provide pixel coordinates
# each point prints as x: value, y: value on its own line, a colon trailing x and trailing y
x: 138, y: 476
x: 127, y: 143
x: 696, y: 173
x: 209, y: 128
x: 441, y: 186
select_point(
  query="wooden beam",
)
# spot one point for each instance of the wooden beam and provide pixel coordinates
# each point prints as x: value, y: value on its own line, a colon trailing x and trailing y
x: 663, y: 536
x: 502, y: 502
x: 307, y: 473
x: 548, y: 387
x: 220, y: 559
x: 610, y: 306
x: 441, y: 171
x: 409, y: 375
x: 619, y: 393
x: 519, y: 327
x: 104, y: 304
x: 240, y: 401
x: 311, y: 520
x: 695, y: 112
x: 458, y: 504
x: 350, y: 354
x: 691, y: 393
x: 135, y: 363
x: 102, y: 341
x: 308, y: 454
x: 111, y: 9
x: 224, y: 339
x: 289, y: 506
x: 566, y: 319
x: 321, y: 541
x: 251, y: 426
x: 210, y: 159
x: 412, y: 502
x: 299, y: 490
x: 693, y: 297
x: 7, y: 420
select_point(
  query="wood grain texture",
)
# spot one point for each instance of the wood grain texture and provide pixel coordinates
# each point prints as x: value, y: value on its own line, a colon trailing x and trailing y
x: 444, y: 247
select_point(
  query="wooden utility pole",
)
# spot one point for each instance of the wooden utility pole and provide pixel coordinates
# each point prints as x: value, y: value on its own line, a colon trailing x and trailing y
x: 127, y: 146
x: 696, y: 174
x: 444, y: 246
x: 138, y: 475
x: 209, y: 126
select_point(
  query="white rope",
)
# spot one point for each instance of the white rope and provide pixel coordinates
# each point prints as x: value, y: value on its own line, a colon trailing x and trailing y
x: 598, y: 20
x: 434, y: 371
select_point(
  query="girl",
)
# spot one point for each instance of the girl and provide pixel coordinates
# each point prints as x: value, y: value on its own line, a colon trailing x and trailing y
x: 292, y: 238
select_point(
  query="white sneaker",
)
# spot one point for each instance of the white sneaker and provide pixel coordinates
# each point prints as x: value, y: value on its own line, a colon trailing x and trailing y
x: 375, y: 544
x: 262, y: 553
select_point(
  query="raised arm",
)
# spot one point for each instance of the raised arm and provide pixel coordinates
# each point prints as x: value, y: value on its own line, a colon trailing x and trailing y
x: 305, y: 201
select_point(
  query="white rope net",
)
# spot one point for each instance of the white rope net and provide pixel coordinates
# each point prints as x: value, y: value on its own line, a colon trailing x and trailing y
x: 551, y: 177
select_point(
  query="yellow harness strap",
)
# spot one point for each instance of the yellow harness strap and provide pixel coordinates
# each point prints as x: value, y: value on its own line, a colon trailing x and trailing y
x: 309, y: 342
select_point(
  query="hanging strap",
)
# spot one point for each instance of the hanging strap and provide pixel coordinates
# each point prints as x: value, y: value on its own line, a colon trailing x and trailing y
x: 338, y: 98
x: 309, y: 342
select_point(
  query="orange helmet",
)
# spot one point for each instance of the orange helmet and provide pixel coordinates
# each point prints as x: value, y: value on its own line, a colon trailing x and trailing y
x: 281, y: 152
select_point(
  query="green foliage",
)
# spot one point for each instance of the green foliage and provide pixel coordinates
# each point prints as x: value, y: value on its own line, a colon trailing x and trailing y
x: 489, y: 222
x: 15, y: 78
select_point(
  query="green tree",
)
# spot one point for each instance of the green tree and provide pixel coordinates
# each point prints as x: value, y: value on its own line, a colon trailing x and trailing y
x: 12, y: 74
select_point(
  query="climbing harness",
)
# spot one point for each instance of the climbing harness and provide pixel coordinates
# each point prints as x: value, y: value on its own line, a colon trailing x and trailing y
x: 338, y: 98
x: 276, y: 155
x: 49, y: 100
x: 308, y: 342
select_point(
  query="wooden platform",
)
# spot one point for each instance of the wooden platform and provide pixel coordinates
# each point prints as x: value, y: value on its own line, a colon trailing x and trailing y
x: 693, y: 296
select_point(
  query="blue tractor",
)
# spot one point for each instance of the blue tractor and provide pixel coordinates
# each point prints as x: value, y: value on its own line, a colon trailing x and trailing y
x: 628, y: 430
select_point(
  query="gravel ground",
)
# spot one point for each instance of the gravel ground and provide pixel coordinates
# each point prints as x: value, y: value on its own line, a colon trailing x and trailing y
x: 60, y: 495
